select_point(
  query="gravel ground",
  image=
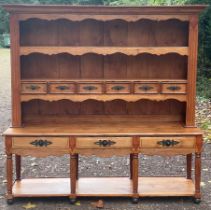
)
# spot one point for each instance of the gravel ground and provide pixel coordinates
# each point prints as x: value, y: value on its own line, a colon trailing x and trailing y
x: 93, y: 166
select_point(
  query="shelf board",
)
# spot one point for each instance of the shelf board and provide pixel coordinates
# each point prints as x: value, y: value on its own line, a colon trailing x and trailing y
x: 76, y: 50
x: 104, y: 186
x: 105, y: 126
x: 103, y: 97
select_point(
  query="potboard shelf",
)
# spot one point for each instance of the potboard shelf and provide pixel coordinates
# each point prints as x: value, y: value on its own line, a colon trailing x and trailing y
x: 104, y: 186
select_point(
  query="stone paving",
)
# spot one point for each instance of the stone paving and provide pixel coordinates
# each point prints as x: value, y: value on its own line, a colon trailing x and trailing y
x: 93, y: 166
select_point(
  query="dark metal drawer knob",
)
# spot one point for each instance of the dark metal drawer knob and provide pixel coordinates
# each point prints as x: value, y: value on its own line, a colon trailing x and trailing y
x: 145, y: 87
x: 90, y: 87
x: 168, y: 143
x: 62, y: 87
x: 174, y: 88
x: 118, y: 87
x: 105, y: 143
x: 41, y: 143
x: 33, y: 87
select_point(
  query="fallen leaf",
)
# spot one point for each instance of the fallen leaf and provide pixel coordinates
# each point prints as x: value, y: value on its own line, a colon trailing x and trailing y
x: 29, y: 206
x: 4, y: 181
x: 209, y: 181
x: 202, y: 184
x: 205, y: 169
x: 34, y: 164
x: 77, y: 203
x: 98, y: 204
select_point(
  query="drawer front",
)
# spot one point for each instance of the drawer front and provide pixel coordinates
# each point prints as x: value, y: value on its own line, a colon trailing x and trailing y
x: 103, y: 142
x: 173, y: 88
x: 90, y: 88
x: 117, y: 88
x: 146, y: 88
x: 40, y: 142
x: 34, y: 88
x: 167, y: 142
x: 61, y: 88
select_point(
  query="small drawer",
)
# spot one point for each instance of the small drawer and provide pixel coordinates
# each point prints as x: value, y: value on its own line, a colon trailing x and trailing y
x: 34, y: 88
x: 173, y: 88
x: 167, y: 142
x: 61, y: 88
x: 103, y: 142
x: 40, y: 142
x: 117, y: 88
x: 90, y: 88
x: 146, y: 88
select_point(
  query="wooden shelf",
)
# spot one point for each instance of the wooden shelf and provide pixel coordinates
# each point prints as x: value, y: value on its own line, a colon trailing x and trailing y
x: 105, y: 186
x: 103, y: 97
x: 75, y: 50
x: 105, y: 125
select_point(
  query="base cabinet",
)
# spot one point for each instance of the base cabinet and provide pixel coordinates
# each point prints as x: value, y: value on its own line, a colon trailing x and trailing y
x: 74, y: 186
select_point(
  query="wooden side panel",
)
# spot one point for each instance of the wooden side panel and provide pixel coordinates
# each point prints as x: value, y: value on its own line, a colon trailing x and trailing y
x: 192, y: 70
x: 15, y: 68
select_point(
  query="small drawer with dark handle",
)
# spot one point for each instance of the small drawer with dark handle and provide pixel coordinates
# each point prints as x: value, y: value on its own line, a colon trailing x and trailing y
x: 146, y: 88
x: 173, y: 88
x: 167, y: 142
x: 90, y: 88
x: 61, y: 88
x: 40, y: 142
x: 34, y: 88
x: 117, y: 88
x: 103, y: 142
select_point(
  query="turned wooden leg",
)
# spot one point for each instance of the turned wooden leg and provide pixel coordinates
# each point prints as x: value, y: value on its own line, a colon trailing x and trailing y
x: 18, y: 166
x: 77, y: 159
x: 73, y: 176
x: 189, y: 165
x: 131, y: 166
x: 9, y: 179
x: 135, y: 177
x: 197, y: 197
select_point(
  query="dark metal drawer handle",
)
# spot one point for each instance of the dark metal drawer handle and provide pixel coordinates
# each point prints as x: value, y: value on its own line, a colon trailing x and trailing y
x: 105, y: 143
x: 41, y: 143
x: 62, y: 87
x: 33, y: 87
x: 118, y: 87
x: 89, y: 88
x: 174, y: 88
x: 145, y: 87
x: 168, y: 143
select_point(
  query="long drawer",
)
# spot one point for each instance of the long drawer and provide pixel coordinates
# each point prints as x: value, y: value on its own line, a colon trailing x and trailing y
x: 103, y: 142
x: 40, y: 142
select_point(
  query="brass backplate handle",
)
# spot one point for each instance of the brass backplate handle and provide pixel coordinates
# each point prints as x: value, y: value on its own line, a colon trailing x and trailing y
x: 145, y: 87
x: 33, y: 87
x: 90, y: 87
x: 118, y: 87
x: 105, y: 143
x: 174, y: 88
x: 62, y: 87
x: 41, y: 143
x: 168, y: 143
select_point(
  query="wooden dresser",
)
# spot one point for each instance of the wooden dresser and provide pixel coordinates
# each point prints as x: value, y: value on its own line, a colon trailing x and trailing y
x: 103, y: 81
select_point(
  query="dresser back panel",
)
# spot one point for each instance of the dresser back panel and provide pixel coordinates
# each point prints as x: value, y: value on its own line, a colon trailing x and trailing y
x: 62, y: 32
x: 94, y: 66
x: 43, y: 111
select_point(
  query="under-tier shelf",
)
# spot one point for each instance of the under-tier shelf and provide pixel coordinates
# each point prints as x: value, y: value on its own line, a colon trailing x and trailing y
x: 50, y: 50
x: 109, y: 186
